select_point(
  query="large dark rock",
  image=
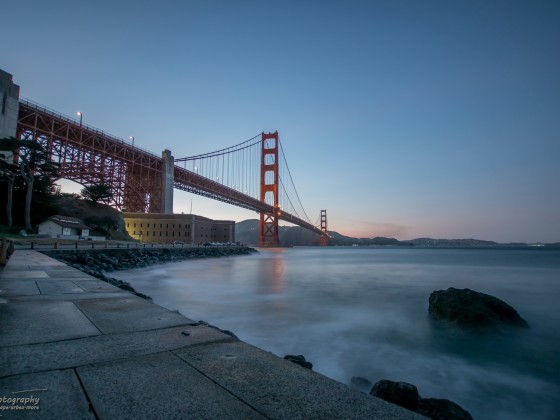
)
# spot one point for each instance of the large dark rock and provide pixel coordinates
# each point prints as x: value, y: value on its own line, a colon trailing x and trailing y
x: 300, y: 360
x: 468, y: 308
x: 442, y: 409
x: 400, y: 393
x: 406, y: 395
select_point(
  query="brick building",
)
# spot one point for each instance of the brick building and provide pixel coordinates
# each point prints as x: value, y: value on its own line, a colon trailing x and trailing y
x: 165, y: 228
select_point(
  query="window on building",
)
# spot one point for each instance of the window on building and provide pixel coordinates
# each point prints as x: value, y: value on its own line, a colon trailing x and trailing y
x: 134, y: 232
x: 160, y: 225
x: 134, y: 224
x: 147, y: 233
x: 167, y: 225
x: 166, y: 233
x: 128, y: 225
x: 140, y: 224
x: 160, y: 233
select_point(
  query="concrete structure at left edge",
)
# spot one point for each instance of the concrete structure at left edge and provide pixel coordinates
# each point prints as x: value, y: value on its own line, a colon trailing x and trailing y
x: 9, y: 105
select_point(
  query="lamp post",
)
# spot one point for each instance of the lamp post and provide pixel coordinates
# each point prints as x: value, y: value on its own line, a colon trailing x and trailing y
x: 132, y: 139
x: 79, y: 114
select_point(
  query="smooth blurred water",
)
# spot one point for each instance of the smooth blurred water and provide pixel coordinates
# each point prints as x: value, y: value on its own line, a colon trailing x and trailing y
x: 364, y: 312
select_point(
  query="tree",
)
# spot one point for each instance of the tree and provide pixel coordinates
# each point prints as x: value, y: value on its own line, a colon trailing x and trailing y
x: 97, y: 192
x: 34, y: 164
x: 8, y: 171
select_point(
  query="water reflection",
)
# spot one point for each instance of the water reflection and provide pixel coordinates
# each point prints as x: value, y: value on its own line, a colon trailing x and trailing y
x: 271, y: 270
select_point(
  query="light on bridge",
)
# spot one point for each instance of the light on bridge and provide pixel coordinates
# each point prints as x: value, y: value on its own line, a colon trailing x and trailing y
x: 132, y: 139
x: 79, y: 114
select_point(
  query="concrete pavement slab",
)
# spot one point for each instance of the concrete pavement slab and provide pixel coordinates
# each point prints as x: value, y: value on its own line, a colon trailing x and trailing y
x: 18, y: 287
x: 59, y: 392
x: 16, y: 360
x: 97, y: 286
x: 116, y: 315
x: 55, y: 287
x: 39, y: 321
x: 71, y: 297
x: 158, y: 386
x: 283, y: 390
x: 67, y: 273
x: 23, y: 274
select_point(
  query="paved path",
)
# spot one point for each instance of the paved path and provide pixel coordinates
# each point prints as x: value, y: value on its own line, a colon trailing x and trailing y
x: 77, y: 347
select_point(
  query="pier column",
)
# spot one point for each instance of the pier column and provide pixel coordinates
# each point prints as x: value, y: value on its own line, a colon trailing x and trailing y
x: 9, y: 105
x: 167, y: 182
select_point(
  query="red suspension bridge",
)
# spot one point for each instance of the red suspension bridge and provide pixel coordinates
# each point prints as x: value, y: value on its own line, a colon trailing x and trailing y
x: 253, y: 174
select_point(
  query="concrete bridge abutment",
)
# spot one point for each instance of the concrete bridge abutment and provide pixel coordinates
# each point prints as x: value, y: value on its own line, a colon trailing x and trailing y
x: 9, y: 105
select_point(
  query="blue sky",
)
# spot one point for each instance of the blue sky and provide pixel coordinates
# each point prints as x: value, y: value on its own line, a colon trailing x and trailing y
x: 401, y: 118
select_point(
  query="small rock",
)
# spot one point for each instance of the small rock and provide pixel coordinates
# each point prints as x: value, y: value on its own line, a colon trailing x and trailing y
x: 361, y: 384
x: 400, y: 393
x: 442, y: 409
x: 300, y: 360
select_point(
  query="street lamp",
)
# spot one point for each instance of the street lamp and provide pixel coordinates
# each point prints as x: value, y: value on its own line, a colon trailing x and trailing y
x: 79, y: 114
x: 132, y: 138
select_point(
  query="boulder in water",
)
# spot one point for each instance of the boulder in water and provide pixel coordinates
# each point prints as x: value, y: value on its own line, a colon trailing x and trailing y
x: 468, y: 308
x: 400, y: 393
x: 442, y: 409
x: 406, y: 395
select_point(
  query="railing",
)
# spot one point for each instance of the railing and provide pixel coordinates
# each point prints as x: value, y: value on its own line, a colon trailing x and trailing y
x: 75, y: 121
x: 73, y: 245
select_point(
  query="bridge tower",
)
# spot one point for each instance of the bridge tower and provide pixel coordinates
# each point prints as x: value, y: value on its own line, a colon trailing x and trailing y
x: 269, y: 189
x: 324, y: 239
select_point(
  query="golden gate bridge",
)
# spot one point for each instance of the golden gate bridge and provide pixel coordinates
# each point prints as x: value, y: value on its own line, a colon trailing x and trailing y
x: 253, y: 174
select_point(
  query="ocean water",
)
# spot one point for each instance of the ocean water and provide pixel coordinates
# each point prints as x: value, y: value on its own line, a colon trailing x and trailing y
x: 364, y: 312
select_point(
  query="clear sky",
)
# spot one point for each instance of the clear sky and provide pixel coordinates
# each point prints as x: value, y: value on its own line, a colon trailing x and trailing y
x: 401, y: 118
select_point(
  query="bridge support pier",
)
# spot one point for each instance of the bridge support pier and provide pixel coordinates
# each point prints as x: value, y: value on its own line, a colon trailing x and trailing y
x: 167, y: 182
x: 269, y: 189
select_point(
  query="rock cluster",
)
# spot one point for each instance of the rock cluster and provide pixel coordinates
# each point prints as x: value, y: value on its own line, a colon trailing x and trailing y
x: 406, y: 395
x: 468, y: 308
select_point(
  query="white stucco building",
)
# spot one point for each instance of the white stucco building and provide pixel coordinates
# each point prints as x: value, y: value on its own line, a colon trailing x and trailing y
x: 64, y: 227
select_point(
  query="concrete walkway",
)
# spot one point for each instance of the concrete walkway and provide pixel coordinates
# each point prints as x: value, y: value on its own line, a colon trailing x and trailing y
x: 73, y: 346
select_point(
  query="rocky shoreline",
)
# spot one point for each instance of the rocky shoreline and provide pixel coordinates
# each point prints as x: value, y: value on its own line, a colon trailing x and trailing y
x: 97, y: 262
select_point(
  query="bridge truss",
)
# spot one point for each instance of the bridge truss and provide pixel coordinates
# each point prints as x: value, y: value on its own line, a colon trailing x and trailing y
x: 136, y: 176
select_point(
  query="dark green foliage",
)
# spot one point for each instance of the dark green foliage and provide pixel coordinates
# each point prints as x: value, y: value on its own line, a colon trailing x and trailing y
x: 31, y: 185
x: 97, y: 192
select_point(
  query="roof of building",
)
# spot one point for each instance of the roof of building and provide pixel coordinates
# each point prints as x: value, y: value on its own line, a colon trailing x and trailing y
x: 172, y: 216
x: 67, y: 221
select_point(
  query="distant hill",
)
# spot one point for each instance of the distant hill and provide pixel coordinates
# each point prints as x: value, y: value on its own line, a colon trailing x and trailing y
x: 247, y: 232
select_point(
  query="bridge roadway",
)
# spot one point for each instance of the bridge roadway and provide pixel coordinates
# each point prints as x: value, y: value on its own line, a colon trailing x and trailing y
x: 89, y: 156
x: 86, y: 349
